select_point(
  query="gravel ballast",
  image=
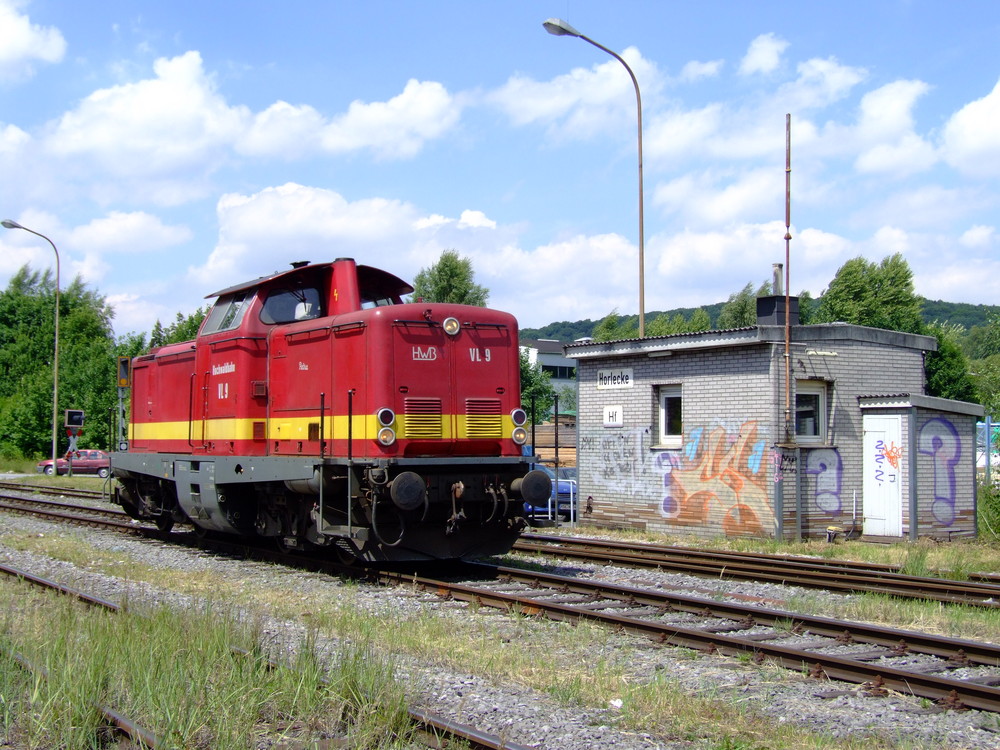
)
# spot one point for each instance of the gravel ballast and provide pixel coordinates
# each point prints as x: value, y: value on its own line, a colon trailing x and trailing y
x: 521, y: 714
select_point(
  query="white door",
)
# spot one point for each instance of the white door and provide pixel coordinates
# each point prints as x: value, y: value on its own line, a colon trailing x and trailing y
x: 883, y: 486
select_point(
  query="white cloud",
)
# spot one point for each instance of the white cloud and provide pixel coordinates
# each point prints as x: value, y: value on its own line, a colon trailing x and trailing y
x: 476, y: 219
x: 925, y: 206
x: 282, y: 130
x: 680, y: 133
x: 395, y: 129
x: 889, y: 240
x: 971, y: 140
x: 135, y: 232
x: 162, y: 138
x: 763, y: 55
x: 12, y: 139
x: 819, y: 84
x: 574, y: 278
x: 710, y: 198
x: 886, y: 124
x: 299, y: 222
x: 25, y: 43
x: 174, y: 122
x: 752, y: 127
x: 978, y: 236
x: 744, y: 250
x: 696, y: 71
x: 692, y: 268
x: 583, y: 102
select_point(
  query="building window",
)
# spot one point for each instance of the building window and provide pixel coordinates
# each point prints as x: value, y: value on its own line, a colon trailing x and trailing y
x: 810, y: 411
x: 559, y: 372
x: 671, y: 422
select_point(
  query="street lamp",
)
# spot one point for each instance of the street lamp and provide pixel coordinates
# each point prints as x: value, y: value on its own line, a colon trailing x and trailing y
x: 559, y: 27
x: 8, y: 224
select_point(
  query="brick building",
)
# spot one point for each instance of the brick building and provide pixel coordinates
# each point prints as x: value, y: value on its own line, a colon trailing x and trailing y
x: 698, y: 433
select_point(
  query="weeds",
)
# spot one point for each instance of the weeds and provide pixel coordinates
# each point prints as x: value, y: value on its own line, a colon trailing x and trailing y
x: 177, y: 675
x: 988, y: 502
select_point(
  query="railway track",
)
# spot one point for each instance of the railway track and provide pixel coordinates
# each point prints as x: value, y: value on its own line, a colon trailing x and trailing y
x: 432, y: 730
x: 846, y: 576
x: 832, y: 575
x: 70, y: 513
x: 41, y: 489
x: 955, y: 673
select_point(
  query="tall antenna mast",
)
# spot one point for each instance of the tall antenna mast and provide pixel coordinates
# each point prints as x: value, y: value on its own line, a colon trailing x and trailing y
x: 789, y: 433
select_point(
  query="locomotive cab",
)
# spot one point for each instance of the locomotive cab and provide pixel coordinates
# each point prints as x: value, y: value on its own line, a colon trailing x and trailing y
x: 318, y: 408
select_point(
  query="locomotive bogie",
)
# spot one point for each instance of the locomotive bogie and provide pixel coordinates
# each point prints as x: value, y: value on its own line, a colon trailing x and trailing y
x: 443, y: 508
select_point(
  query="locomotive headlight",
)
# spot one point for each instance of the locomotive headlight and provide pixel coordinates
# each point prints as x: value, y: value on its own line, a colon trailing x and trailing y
x: 387, y: 436
x: 451, y: 326
x: 385, y: 416
x: 519, y: 435
x: 519, y: 417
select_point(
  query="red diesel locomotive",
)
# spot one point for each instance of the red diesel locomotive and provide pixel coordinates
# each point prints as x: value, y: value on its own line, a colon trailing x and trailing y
x: 317, y: 408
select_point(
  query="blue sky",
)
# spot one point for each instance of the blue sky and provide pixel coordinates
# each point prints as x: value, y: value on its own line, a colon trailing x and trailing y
x: 174, y: 149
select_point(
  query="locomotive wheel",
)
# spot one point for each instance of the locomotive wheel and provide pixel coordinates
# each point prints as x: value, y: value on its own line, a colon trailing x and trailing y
x: 345, y: 553
x: 164, y: 522
x: 200, y: 534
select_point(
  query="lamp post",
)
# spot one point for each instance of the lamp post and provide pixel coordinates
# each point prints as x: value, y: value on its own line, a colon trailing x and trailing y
x: 8, y: 224
x: 559, y: 27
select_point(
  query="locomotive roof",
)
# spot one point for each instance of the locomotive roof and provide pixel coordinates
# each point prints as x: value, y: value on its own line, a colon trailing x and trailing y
x: 374, y: 282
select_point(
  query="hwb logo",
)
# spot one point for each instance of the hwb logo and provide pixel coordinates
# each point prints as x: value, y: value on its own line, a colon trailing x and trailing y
x: 430, y: 353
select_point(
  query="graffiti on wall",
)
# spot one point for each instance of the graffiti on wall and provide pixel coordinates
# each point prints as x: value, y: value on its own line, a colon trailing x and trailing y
x: 783, y: 463
x: 939, y: 439
x: 623, y: 458
x: 716, y: 481
x: 891, y: 453
x: 827, y: 467
x: 885, y: 470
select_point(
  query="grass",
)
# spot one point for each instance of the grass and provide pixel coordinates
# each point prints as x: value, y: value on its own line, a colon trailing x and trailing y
x: 176, y: 675
x: 17, y: 465
x: 580, y: 665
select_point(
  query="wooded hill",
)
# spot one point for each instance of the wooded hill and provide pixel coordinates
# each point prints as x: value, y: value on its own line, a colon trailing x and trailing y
x: 960, y: 313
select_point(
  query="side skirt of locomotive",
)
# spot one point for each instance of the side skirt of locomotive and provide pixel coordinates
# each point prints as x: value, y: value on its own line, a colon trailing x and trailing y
x: 400, y: 509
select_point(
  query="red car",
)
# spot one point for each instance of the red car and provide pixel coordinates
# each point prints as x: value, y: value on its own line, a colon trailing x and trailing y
x: 84, y: 462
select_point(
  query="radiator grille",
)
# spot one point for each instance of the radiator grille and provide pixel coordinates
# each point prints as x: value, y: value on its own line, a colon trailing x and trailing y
x: 423, y: 418
x: 483, y: 418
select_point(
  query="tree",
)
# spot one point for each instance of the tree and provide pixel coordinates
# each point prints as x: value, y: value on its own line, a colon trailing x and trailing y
x: 615, y: 328
x: 807, y: 308
x: 880, y: 296
x: 740, y: 310
x: 665, y: 325
x: 86, y: 361
x: 567, y: 398
x: 451, y: 279
x: 986, y: 375
x: 700, y: 321
x: 983, y: 341
x: 184, y: 328
x: 537, y: 394
x: 947, y: 369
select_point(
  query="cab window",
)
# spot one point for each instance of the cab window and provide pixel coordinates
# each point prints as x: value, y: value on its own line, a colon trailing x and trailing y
x: 290, y: 305
x: 227, y: 313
